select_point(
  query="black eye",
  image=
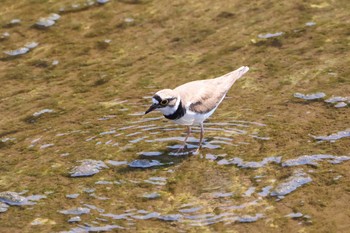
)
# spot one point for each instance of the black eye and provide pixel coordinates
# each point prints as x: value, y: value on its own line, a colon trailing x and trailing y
x: 164, y: 102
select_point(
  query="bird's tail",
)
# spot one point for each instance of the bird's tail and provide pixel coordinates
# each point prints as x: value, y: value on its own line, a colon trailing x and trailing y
x: 233, y: 76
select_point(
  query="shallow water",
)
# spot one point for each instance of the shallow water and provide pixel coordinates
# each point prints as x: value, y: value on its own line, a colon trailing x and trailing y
x: 78, y: 155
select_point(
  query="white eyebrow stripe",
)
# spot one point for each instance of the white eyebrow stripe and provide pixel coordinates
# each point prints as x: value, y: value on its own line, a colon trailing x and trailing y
x: 155, y: 101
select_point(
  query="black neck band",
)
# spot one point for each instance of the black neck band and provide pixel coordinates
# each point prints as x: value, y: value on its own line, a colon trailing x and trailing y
x: 180, y: 111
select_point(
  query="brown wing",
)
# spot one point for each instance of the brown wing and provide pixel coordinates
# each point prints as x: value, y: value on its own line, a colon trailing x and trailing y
x: 204, y: 95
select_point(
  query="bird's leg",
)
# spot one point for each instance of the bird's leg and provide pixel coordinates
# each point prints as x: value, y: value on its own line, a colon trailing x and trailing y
x: 200, y: 139
x: 184, y: 143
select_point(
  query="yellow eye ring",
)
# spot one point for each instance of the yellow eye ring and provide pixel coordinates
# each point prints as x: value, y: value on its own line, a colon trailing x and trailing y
x: 164, y: 102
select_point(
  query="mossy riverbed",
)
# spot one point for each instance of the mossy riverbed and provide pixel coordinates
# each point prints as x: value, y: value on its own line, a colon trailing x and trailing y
x: 77, y: 153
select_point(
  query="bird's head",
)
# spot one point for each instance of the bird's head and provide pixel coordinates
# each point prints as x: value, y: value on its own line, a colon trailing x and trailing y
x: 166, y: 101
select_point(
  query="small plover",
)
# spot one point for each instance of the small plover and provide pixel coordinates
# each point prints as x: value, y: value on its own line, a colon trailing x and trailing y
x: 193, y: 102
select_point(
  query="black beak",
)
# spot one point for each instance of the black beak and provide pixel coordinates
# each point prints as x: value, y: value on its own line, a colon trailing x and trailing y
x: 151, y: 108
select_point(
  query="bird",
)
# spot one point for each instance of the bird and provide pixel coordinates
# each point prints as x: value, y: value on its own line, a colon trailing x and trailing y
x: 193, y: 102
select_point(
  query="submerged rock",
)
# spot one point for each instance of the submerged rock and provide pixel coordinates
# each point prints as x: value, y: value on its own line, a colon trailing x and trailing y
x: 270, y: 35
x: 4, y: 36
x: 341, y: 105
x: 44, y: 23
x: 144, y: 163
x: 76, y: 211
x: 156, y: 180
x: 54, y: 17
x: 31, y: 45
x: 240, y: 163
x: 47, y: 22
x: 74, y: 219
x: 17, y: 52
x: 312, y: 160
x: 42, y: 221
x: 23, y: 50
x: 170, y: 217
x: 298, y: 179
x: 102, y: 1
x: 249, y: 218
x: 41, y: 112
x: 72, y: 196
x: 87, y: 228
x: 117, y: 163
x: 151, y: 153
x: 151, y: 195
x: 15, y: 21
x: 265, y: 191
x: 88, y: 167
x: 310, y: 24
x: 313, y: 96
x: 295, y: 215
x: 334, y: 137
x: 3, y: 207
x: 336, y: 99
x: 13, y: 198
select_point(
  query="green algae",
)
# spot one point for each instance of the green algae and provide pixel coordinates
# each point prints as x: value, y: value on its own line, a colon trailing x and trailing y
x: 167, y: 44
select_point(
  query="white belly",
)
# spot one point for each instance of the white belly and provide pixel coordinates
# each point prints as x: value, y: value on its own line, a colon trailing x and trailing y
x: 192, y: 118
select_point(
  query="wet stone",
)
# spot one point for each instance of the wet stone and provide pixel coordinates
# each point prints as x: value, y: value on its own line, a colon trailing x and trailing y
x: 72, y: 196
x: 41, y: 112
x: 129, y: 20
x: 42, y: 221
x: 74, y: 219
x: 312, y: 160
x: 117, y: 163
x: 75, y: 211
x: 92, y: 207
x: 15, y: 21
x: 313, y: 96
x: 13, y: 198
x: 170, y: 217
x: 151, y: 195
x: 47, y: 22
x: 334, y: 137
x: 102, y: 1
x: 249, y: 192
x: 103, y: 182
x: 54, y: 17
x: 295, y: 215
x: 4, y: 36
x: 44, y: 23
x: 270, y: 35
x: 36, y: 197
x: 336, y: 99
x: 298, y: 179
x: 310, y: 24
x: 191, y: 210
x: 151, y: 153
x: 248, y: 218
x: 265, y: 191
x: 211, y: 157
x: 146, y: 216
x: 87, y: 228
x: 341, y: 105
x: 46, y: 146
x: 55, y: 62
x: 144, y: 163
x: 3, y: 207
x: 156, y: 180
x: 17, y: 52
x: 240, y: 163
x: 221, y: 195
x: 31, y: 45
x: 89, y: 190
x: 88, y: 167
